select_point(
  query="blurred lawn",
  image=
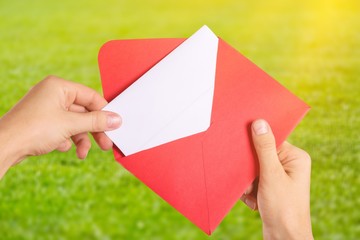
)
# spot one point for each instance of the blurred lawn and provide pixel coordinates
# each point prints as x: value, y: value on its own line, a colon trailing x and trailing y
x: 311, y: 47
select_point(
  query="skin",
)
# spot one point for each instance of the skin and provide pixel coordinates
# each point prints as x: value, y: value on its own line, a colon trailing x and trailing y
x: 282, y: 191
x: 52, y: 115
x: 56, y: 113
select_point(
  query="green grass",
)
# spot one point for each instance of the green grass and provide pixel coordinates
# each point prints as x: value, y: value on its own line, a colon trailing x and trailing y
x: 311, y: 47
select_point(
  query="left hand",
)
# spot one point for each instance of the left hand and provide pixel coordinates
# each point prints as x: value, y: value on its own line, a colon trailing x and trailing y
x: 51, y: 114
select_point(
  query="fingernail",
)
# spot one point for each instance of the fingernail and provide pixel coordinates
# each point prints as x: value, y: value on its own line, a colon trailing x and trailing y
x: 113, y: 120
x: 250, y: 203
x: 260, y: 127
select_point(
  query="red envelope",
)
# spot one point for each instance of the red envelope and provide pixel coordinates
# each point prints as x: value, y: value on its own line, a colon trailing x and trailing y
x: 203, y: 175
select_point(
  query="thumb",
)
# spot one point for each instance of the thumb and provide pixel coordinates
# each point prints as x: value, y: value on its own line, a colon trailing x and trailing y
x: 265, y: 146
x: 95, y: 121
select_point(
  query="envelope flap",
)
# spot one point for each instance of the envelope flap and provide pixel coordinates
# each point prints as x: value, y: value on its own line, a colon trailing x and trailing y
x: 122, y: 62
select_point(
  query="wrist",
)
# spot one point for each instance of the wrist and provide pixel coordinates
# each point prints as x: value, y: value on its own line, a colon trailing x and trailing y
x: 10, y: 150
x: 291, y: 231
x: 5, y: 164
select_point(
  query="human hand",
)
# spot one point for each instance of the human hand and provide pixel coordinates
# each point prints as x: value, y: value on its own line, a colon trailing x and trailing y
x: 282, y: 191
x: 49, y: 116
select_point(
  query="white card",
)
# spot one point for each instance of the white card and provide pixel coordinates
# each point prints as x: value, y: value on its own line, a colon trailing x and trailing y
x: 172, y: 100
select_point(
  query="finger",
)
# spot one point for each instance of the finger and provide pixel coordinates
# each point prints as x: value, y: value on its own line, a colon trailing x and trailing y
x: 83, y: 144
x: 64, y: 146
x: 77, y: 108
x: 265, y: 146
x: 249, y: 189
x: 295, y: 161
x: 253, y: 188
x: 84, y: 96
x: 250, y: 201
x: 103, y: 141
x: 96, y: 121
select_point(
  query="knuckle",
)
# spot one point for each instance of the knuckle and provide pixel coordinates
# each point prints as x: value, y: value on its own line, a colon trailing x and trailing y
x: 266, y: 144
x: 50, y: 79
x: 44, y: 85
x: 97, y: 122
x: 306, y: 157
x: 93, y: 101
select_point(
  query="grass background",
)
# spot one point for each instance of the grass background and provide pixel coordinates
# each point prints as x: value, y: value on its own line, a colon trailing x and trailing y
x: 311, y: 47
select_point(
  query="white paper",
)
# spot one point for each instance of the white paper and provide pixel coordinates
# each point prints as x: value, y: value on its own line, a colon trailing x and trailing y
x: 172, y: 100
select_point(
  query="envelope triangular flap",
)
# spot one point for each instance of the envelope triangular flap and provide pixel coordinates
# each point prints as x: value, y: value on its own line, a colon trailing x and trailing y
x: 172, y: 100
x: 122, y: 62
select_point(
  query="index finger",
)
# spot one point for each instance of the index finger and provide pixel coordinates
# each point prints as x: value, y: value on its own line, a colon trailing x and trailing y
x: 84, y: 96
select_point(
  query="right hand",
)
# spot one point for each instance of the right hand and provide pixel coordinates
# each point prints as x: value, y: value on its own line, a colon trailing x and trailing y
x: 282, y: 194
